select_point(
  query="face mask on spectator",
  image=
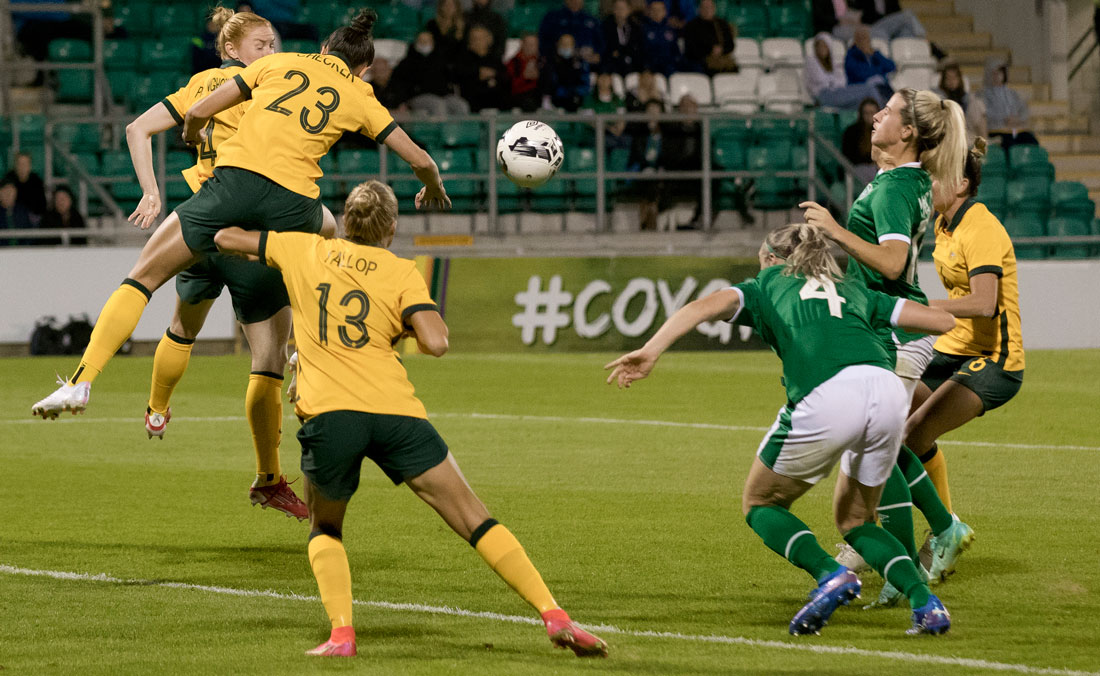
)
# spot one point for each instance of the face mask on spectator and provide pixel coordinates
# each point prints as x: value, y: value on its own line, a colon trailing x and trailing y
x: 565, y: 52
x: 423, y: 50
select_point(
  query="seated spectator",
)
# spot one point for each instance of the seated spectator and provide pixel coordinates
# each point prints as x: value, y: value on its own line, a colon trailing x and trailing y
x: 481, y: 75
x: 29, y: 186
x: 622, y: 40
x: 523, y: 71
x: 13, y: 215
x: 571, y: 19
x: 566, y: 79
x: 425, y: 78
x: 63, y: 214
x: 708, y: 41
x: 646, y: 92
x: 826, y: 83
x: 888, y: 20
x: 603, y: 99
x: 866, y: 64
x: 953, y: 86
x: 680, y: 12
x: 856, y: 142
x: 448, y: 28
x: 386, y: 90
x: 682, y: 150
x: 482, y: 14
x: 661, y: 41
x: 1006, y: 113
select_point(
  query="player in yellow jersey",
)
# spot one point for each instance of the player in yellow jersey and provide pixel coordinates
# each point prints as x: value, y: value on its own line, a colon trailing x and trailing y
x: 259, y: 300
x: 352, y: 301
x: 265, y: 176
x: 979, y: 365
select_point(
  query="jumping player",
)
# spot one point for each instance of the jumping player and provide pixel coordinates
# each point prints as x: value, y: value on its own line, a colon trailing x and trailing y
x: 352, y: 301
x: 844, y: 403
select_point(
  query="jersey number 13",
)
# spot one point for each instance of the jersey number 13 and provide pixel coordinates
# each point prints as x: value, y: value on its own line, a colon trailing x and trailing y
x: 352, y: 322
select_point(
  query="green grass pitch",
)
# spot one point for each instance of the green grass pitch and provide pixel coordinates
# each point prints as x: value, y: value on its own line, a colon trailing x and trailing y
x: 634, y: 526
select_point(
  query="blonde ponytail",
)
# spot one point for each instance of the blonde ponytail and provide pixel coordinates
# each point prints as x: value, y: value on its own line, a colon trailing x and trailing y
x: 805, y: 249
x: 940, y: 126
x: 369, y: 213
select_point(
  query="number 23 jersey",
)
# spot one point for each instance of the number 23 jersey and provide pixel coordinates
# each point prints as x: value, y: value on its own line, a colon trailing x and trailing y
x: 350, y: 304
x: 301, y: 105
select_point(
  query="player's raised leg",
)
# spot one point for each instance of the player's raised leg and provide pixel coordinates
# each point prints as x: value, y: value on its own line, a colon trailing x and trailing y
x: 170, y: 362
x: 164, y: 255
x: 445, y: 489
x: 330, y: 566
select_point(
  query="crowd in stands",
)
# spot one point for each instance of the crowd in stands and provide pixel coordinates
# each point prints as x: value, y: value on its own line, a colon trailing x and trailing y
x: 23, y: 205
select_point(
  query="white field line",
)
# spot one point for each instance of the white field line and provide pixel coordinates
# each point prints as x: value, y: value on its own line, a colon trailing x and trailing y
x: 894, y: 655
x: 70, y: 419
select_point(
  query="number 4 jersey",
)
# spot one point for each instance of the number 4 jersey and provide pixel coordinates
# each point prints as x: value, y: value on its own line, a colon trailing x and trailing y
x: 301, y: 105
x: 350, y: 305
x: 817, y: 327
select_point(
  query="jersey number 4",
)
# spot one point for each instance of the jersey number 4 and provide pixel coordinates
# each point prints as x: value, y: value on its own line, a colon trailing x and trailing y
x: 823, y: 289
x: 303, y: 117
x: 354, y: 321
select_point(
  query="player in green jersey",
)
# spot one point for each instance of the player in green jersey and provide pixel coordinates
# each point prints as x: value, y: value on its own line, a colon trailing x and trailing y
x: 844, y: 403
x: 916, y: 137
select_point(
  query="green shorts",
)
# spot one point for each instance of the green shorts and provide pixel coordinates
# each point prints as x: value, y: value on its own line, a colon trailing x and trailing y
x: 993, y: 385
x: 335, y: 443
x: 246, y: 199
x: 257, y: 290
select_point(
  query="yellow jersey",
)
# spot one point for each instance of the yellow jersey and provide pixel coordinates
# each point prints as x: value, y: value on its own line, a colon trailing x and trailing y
x: 302, y: 105
x: 975, y: 242
x: 218, y: 129
x: 350, y: 305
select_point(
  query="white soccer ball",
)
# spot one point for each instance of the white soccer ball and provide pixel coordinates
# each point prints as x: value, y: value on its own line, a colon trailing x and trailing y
x: 530, y: 153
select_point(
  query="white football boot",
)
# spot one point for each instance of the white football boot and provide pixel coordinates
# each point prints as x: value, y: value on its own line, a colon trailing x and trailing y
x: 65, y: 398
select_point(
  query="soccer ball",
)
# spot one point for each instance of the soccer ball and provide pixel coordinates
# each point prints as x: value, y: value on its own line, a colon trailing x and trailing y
x: 530, y: 153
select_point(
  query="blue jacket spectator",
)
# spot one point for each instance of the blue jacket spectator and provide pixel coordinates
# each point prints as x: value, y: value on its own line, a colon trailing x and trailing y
x: 681, y: 11
x: 566, y: 78
x: 13, y: 216
x: 863, y: 63
x: 661, y: 41
x: 622, y: 39
x: 571, y: 19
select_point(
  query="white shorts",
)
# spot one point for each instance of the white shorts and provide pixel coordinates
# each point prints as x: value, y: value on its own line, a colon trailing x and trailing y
x: 857, y: 417
x: 913, y: 358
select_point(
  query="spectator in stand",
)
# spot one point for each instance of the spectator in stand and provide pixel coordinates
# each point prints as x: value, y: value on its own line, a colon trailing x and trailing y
x: 13, y: 215
x: 386, y: 90
x: 708, y: 41
x: 31, y: 190
x: 62, y: 214
x: 953, y: 86
x: 856, y: 142
x: 426, y: 77
x: 680, y: 12
x: 448, y: 29
x: 866, y: 64
x: 603, y: 99
x: 622, y: 39
x: 1006, y: 113
x: 482, y: 14
x: 646, y: 92
x: 481, y: 75
x: 682, y: 150
x: 566, y: 78
x: 661, y: 40
x: 888, y: 20
x: 571, y: 19
x: 827, y: 84
x: 523, y: 71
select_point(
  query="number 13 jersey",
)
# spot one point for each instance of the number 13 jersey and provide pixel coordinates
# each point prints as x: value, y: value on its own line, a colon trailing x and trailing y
x: 350, y: 305
x: 301, y: 105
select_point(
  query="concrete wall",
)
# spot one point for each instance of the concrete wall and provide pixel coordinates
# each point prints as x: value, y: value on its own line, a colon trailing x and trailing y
x: 1018, y: 25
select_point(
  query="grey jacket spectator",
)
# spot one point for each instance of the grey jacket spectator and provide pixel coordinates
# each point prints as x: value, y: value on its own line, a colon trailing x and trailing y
x: 1006, y: 113
x: 708, y: 41
x: 622, y: 40
x: 31, y: 190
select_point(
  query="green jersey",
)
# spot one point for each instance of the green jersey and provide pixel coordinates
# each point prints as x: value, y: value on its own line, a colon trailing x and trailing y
x: 896, y: 205
x: 817, y: 327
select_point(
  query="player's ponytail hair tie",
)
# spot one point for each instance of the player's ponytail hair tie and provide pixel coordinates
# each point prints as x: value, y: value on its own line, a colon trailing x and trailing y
x: 370, y: 213
x: 232, y: 27
x: 804, y: 248
x: 354, y: 42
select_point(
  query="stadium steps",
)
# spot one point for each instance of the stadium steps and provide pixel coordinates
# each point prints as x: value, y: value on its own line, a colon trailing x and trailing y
x: 938, y: 24
x: 954, y: 41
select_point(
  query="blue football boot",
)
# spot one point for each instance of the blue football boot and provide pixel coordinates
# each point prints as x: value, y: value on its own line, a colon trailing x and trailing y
x: 931, y: 618
x: 836, y: 590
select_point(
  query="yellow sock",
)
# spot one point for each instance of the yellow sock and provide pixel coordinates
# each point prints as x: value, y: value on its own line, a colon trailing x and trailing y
x: 117, y: 320
x: 169, y: 363
x: 505, y: 555
x: 264, y: 409
x: 330, y: 566
x: 937, y: 472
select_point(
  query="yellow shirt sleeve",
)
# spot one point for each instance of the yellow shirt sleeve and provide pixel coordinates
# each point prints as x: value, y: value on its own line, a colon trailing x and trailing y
x: 278, y: 248
x: 254, y: 73
x: 984, y: 249
x: 414, y: 295
x: 377, y: 121
x: 178, y: 102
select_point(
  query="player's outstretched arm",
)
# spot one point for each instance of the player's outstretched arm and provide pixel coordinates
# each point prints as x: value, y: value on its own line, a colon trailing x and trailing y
x: 225, y: 96
x: 433, y: 194
x: 638, y: 364
x: 924, y: 319
x: 238, y: 241
x: 430, y: 331
x: 139, y: 134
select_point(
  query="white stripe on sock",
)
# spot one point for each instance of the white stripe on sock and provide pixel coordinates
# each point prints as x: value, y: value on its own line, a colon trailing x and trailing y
x: 886, y: 570
x: 899, y: 505
x: 787, y: 552
x: 914, y: 482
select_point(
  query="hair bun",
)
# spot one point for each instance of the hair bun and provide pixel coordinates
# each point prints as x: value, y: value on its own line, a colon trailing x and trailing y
x: 364, y: 21
x: 219, y: 16
x: 979, y: 149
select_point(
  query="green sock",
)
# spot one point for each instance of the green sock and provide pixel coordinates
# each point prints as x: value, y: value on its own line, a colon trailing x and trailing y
x: 786, y: 535
x: 896, y: 511
x: 886, y: 555
x: 925, y: 497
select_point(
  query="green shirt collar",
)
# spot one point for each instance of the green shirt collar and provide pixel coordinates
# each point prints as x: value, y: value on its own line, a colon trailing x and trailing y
x: 228, y: 63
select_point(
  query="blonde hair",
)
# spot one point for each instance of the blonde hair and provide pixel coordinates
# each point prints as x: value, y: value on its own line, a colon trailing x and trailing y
x: 805, y: 250
x: 233, y: 26
x: 369, y: 213
x: 940, y: 126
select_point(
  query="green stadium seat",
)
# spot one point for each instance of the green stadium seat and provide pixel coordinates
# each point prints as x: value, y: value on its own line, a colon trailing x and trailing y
x: 70, y: 51
x: 78, y: 136
x: 552, y: 197
x: 800, y: 158
x: 991, y: 193
x: 1061, y: 226
x: 465, y: 193
x: 1026, y: 160
x: 165, y: 55
x: 176, y: 20
x: 397, y: 21
x: 525, y: 18
x: 576, y: 134
x: 1026, y: 223
x: 301, y: 46
x: 75, y: 86
x: 789, y: 20
x: 136, y: 17
x: 326, y: 15
x: 32, y: 129
x: 114, y: 163
x: 459, y: 134
x: 175, y: 161
x: 584, y: 189
x: 772, y: 192
x: 510, y: 197
x: 120, y: 54
x: 729, y: 154
x: 1067, y: 191
x: 360, y: 162
x: 1030, y: 193
x: 751, y: 20
x: 426, y: 134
